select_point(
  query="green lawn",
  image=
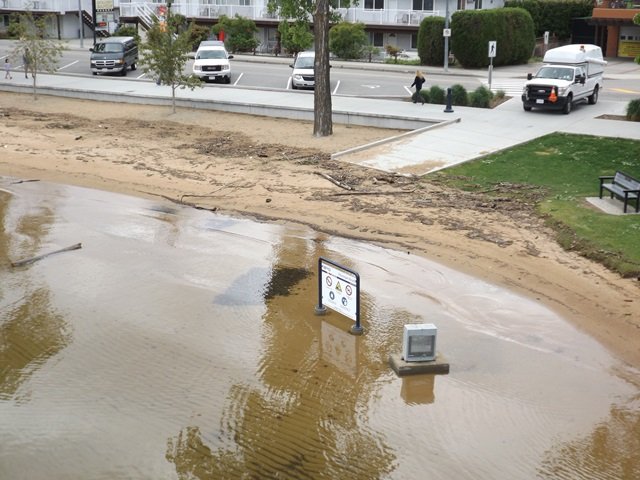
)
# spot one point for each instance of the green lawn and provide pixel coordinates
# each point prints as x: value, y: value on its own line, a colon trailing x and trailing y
x: 556, y: 173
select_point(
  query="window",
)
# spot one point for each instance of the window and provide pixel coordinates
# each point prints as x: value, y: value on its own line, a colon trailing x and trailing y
x: 377, y: 39
x: 414, y: 40
x: 373, y: 4
x: 423, y: 5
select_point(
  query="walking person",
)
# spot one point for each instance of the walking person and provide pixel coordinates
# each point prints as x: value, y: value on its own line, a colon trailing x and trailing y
x: 418, y: 82
x: 26, y: 59
x: 7, y: 69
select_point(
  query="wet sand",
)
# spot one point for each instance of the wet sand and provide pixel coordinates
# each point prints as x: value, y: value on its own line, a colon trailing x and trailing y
x: 180, y: 343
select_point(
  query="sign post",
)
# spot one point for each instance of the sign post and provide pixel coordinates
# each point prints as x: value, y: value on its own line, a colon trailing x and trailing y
x: 339, y: 289
x: 492, y: 54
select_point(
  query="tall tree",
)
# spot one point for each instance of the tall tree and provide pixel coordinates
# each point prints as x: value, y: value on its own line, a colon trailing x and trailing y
x: 37, y: 52
x: 165, y: 54
x: 322, y: 107
x: 322, y: 13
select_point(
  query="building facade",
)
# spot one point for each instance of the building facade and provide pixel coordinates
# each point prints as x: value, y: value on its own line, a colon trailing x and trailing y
x: 388, y: 22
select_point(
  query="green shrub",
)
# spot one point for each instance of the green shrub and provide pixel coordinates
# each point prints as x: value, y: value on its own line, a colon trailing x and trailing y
x: 459, y: 95
x: 511, y: 28
x: 500, y: 94
x: 633, y: 110
x: 480, y: 97
x: 431, y: 41
x: 347, y: 40
x: 553, y: 15
x: 425, y: 95
x: 127, y: 31
x: 437, y: 95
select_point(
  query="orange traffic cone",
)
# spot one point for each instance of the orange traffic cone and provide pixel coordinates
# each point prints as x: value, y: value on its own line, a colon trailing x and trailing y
x: 553, y: 98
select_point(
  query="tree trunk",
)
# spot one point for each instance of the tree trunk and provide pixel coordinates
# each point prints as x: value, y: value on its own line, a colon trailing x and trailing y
x: 173, y: 96
x: 322, y: 120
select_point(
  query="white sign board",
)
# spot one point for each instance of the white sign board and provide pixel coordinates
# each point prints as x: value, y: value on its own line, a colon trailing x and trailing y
x: 446, y: 32
x: 492, y: 49
x: 339, y: 290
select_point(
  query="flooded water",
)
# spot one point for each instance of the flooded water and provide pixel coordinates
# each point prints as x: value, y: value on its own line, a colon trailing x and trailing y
x: 181, y: 344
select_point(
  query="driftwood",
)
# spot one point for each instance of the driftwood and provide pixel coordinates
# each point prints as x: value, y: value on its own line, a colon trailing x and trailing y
x: 27, y: 261
x: 372, y: 193
x: 334, y: 181
x: 25, y: 181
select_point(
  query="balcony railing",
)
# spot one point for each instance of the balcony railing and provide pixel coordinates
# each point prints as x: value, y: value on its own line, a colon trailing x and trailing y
x: 200, y: 9
x: 58, y: 6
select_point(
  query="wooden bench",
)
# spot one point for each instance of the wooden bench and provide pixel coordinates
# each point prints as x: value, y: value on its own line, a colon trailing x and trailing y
x: 624, y: 186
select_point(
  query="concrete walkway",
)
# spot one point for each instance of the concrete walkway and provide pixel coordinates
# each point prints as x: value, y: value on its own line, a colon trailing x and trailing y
x: 437, y: 139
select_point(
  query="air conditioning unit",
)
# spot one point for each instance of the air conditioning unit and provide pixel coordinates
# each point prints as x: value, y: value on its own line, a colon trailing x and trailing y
x: 419, y: 342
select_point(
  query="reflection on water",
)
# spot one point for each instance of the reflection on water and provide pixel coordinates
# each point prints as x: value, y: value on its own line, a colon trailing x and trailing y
x: 30, y: 330
x: 29, y: 335
x: 610, y: 451
x: 179, y: 344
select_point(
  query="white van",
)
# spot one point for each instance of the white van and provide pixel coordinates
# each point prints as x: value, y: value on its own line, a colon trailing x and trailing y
x: 212, y: 62
x: 570, y: 73
x: 303, y: 75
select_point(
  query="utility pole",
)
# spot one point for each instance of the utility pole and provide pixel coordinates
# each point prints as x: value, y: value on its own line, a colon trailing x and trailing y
x: 81, y: 23
x: 93, y: 20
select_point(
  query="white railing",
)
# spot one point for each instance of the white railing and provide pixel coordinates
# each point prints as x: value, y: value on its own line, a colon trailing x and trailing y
x: 58, y: 6
x: 204, y: 9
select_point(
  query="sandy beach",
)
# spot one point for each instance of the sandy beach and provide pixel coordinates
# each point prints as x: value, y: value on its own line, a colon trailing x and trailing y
x: 275, y: 170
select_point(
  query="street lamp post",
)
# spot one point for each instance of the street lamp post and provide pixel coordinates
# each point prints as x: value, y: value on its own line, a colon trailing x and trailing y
x: 446, y: 38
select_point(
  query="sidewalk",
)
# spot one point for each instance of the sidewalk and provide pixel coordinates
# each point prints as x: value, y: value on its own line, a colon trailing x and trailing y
x: 437, y: 139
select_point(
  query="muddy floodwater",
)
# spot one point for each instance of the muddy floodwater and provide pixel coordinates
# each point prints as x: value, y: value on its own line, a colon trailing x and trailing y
x: 182, y: 344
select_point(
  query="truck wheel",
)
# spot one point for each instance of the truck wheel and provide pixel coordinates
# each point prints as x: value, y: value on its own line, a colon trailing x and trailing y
x: 567, y: 106
x: 227, y: 80
x: 526, y: 109
x: 133, y: 67
x: 123, y: 72
x: 593, y: 98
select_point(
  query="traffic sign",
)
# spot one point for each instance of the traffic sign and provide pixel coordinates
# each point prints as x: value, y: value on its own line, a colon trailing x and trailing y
x: 446, y: 32
x: 492, y: 48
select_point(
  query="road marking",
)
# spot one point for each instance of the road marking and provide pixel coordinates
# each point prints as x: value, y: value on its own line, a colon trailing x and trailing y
x: 510, y: 87
x: 238, y: 79
x: 68, y: 65
x: 140, y: 76
x: 370, y: 86
x: 623, y: 90
x: 288, y: 83
x: 335, y: 90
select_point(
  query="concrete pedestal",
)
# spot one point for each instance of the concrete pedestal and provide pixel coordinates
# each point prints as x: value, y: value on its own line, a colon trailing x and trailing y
x: 402, y: 368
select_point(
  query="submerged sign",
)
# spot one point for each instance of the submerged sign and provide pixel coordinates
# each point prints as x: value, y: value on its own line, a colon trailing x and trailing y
x: 339, y: 289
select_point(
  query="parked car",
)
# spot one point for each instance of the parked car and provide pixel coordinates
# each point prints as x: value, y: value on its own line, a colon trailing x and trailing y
x: 114, y: 55
x: 212, y: 62
x: 303, y: 75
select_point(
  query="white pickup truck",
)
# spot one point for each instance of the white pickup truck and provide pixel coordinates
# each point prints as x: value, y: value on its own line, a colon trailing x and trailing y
x: 570, y: 73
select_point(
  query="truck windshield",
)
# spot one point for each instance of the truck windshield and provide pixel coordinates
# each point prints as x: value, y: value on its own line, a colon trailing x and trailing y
x: 556, y: 73
x: 211, y: 55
